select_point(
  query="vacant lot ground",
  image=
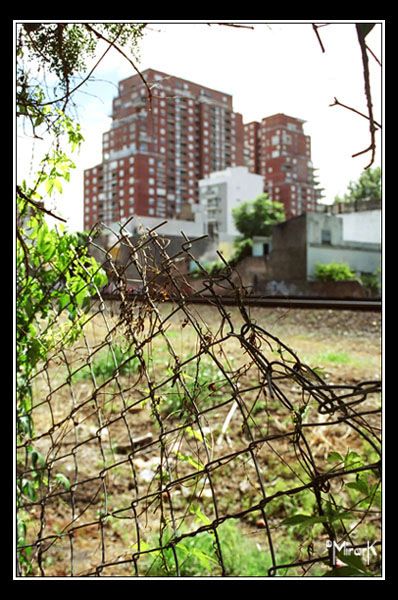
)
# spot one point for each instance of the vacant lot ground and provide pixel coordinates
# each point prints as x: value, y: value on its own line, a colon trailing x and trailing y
x: 147, y: 443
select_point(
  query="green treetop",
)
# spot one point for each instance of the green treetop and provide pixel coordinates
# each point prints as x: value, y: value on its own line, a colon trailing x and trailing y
x: 256, y: 217
x: 368, y: 187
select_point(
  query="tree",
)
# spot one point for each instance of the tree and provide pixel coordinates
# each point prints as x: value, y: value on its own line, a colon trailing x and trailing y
x: 256, y: 217
x: 56, y: 277
x: 367, y: 188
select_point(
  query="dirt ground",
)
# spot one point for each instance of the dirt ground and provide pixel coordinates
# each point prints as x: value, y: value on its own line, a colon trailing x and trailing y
x: 87, y: 430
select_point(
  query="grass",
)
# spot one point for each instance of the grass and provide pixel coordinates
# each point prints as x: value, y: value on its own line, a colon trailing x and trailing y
x: 243, y: 543
x: 338, y: 358
x: 106, y: 363
x: 197, y: 383
x: 197, y: 556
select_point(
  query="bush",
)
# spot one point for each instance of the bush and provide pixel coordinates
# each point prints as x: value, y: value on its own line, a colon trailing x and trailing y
x: 371, y: 281
x: 334, y: 272
x: 242, y: 248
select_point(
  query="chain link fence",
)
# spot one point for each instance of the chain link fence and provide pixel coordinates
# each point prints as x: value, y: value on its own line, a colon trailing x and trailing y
x: 171, y: 439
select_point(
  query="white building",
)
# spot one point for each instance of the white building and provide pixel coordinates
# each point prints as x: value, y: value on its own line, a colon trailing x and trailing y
x: 362, y: 226
x: 220, y: 193
x: 362, y: 220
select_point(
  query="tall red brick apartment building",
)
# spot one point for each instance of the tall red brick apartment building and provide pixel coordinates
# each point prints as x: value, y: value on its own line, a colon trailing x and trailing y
x: 154, y: 155
x: 278, y: 149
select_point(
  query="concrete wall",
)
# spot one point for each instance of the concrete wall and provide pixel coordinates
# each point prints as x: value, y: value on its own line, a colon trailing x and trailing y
x: 318, y: 222
x: 364, y: 226
x: 358, y: 258
x: 312, y: 289
x: 252, y: 270
x: 288, y: 257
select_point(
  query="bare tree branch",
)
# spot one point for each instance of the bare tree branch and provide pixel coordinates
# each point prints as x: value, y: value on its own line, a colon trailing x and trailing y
x: 365, y: 63
x: 38, y: 205
x: 25, y: 252
x: 338, y: 103
x: 315, y: 28
x: 66, y: 96
x: 136, y: 69
x: 233, y: 25
x: 373, y: 54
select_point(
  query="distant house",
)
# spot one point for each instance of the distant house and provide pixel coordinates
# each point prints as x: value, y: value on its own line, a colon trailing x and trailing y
x: 300, y: 243
x: 286, y: 262
x: 361, y: 220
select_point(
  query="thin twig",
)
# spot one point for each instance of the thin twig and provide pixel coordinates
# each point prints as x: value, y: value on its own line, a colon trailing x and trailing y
x: 25, y: 252
x: 38, y: 205
x: 315, y: 28
x: 83, y: 80
x: 373, y: 54
x: 232, y: 25
x: 338, y: 103
x: 136, y: 69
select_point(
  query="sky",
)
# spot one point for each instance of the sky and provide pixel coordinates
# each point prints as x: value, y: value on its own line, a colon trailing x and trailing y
x: 272, y: 68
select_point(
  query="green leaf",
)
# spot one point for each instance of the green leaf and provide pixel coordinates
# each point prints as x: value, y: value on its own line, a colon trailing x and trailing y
x: 29, y: 490
x: 48, y: 186
x: 196, y: 434
x: 335, y: 457
x: 360, y: 485
x: 21, y: 528
x: 37, y: 459
x: 195, y: 510
x: 353, y: 561
x: 352, y: 460
x: 296, y: 520
x: 343, y: 572
x: 58, y: 185
x: 64, y: 481
x: 183, y: 457
x: 312, y: 520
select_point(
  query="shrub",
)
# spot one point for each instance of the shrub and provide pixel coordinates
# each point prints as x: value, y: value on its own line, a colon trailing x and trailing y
x: 334, y: 272
x: 242, y: 248
x: 371, y: 281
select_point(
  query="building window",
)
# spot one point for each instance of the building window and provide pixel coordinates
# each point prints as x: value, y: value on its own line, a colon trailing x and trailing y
x: 326, y: 237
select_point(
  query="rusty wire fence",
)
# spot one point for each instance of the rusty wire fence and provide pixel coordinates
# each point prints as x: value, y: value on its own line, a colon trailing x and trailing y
x: 182, y: 440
